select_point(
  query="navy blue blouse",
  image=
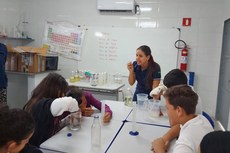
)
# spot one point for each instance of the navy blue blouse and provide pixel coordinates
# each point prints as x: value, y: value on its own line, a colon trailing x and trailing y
x: 141, y: 79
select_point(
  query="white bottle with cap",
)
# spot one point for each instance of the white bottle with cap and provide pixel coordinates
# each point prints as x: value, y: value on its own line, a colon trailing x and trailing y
x: 96, y: 135
x: 128, y: 99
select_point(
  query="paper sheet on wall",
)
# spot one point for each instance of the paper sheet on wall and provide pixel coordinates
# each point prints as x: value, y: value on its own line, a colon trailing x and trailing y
x: 64, y: 38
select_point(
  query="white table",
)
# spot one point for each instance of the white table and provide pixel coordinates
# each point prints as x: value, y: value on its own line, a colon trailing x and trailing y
x: 80, y: 141
x: 111, y: 91
x: 120, y: 111
x: 115, y: 137
x: 126, y: 143
x: 143, y: 116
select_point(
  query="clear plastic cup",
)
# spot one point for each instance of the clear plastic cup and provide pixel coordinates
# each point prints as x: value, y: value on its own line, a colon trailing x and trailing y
x: 154, y: 108
x: 75, y: 120
x: 142, y: 101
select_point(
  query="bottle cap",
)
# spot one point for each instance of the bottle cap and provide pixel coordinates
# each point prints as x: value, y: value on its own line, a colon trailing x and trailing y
x: 96, y: 116
x: 69, y: 134
x: 134, y: 133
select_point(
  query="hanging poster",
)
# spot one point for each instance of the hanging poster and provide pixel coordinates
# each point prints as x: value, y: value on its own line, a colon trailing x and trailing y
x: 64, y: 38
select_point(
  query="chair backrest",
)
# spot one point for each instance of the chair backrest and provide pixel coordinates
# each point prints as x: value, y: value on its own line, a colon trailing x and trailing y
x: 218, y: 126
x: 209, y: 118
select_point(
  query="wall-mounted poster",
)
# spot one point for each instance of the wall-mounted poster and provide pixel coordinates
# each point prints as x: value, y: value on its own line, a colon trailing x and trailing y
x: 64, y: 38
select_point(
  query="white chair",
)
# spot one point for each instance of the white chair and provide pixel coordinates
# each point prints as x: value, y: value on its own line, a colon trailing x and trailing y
x: 218, y: 126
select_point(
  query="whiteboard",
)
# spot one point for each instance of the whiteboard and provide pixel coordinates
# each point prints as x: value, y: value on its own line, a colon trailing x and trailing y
x: 109, y: 49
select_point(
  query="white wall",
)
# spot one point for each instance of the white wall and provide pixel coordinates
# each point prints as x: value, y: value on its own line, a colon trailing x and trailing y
x: 10, y: 13
x: 204, y: 36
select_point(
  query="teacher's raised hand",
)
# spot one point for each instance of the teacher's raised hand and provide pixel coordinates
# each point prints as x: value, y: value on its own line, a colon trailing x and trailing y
x: 130, y: 66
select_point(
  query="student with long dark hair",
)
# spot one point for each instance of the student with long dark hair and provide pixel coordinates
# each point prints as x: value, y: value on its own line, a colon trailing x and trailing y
x: 49, y: 107
x: 145, y: 71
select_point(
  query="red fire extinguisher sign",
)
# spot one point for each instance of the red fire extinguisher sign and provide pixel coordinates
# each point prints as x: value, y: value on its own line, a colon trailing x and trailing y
x: 184, y: 59
x: 186, y: 22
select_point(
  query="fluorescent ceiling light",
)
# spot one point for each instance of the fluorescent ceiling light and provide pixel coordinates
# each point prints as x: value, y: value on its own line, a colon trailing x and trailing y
x: 147, y: 24
x: 145, y: 9
x: 98, y: 34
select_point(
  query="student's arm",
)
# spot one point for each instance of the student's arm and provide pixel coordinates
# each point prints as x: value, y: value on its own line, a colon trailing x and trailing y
x: 156, y: 83
x: 160, y: 145
x: 88, y: 111
x: 156, y: 77
x: 97, y: 104
x: 132, y: 77
x: 158, y: 91
x: 171, y: 134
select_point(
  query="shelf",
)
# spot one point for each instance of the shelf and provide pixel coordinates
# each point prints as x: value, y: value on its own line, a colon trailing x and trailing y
x: 13, y: 38
x: 15, y: 41
x: 25, y: 73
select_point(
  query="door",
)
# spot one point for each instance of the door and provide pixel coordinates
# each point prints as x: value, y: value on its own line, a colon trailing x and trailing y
x: 223, y: 97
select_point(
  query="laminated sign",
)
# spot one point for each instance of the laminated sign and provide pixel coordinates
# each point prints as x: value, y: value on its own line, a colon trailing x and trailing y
x: 64, y: 38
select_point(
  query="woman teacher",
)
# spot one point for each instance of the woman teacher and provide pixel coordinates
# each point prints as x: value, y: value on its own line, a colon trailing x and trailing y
x: 145, y: 70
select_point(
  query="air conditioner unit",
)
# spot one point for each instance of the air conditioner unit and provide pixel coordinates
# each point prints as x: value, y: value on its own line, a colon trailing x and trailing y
x: 116, y: 5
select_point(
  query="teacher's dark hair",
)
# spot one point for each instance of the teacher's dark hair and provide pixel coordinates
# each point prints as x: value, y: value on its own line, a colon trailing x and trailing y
x: 152, y: 65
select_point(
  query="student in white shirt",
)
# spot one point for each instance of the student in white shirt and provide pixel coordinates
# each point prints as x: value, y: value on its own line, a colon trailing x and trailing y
x: 172, y: 78
x: 181, y: 103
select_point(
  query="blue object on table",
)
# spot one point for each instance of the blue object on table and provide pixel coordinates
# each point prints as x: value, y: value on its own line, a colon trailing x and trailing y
x: 191, y: 78
x: 134, y: 133
x: 69, y: 134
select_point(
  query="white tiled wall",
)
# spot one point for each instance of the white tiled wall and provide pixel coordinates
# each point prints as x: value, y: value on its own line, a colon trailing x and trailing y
x: 204, y: 36
x: 9, y: 14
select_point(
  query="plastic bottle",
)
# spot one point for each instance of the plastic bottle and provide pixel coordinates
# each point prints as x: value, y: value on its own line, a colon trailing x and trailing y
x: 94, y: 79
x: 96, y: 134
x: 76, y: 76
x: 72, y: 79
x: 128, y: 99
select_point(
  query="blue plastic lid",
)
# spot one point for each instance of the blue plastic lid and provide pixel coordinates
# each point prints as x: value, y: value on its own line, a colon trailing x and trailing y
x: 69, y: 134
x: 134, y: 133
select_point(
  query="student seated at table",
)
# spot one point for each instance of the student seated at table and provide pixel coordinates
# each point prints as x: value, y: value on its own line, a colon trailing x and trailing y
x: 181, y: 103
x: 16, y: 128
x: 49, y: 107
x: 85, y: 100
x: 215, y: 142
x: 172, y: 78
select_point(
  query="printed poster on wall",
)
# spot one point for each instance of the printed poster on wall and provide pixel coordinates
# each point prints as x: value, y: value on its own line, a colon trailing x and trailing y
x: 64, y: 39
